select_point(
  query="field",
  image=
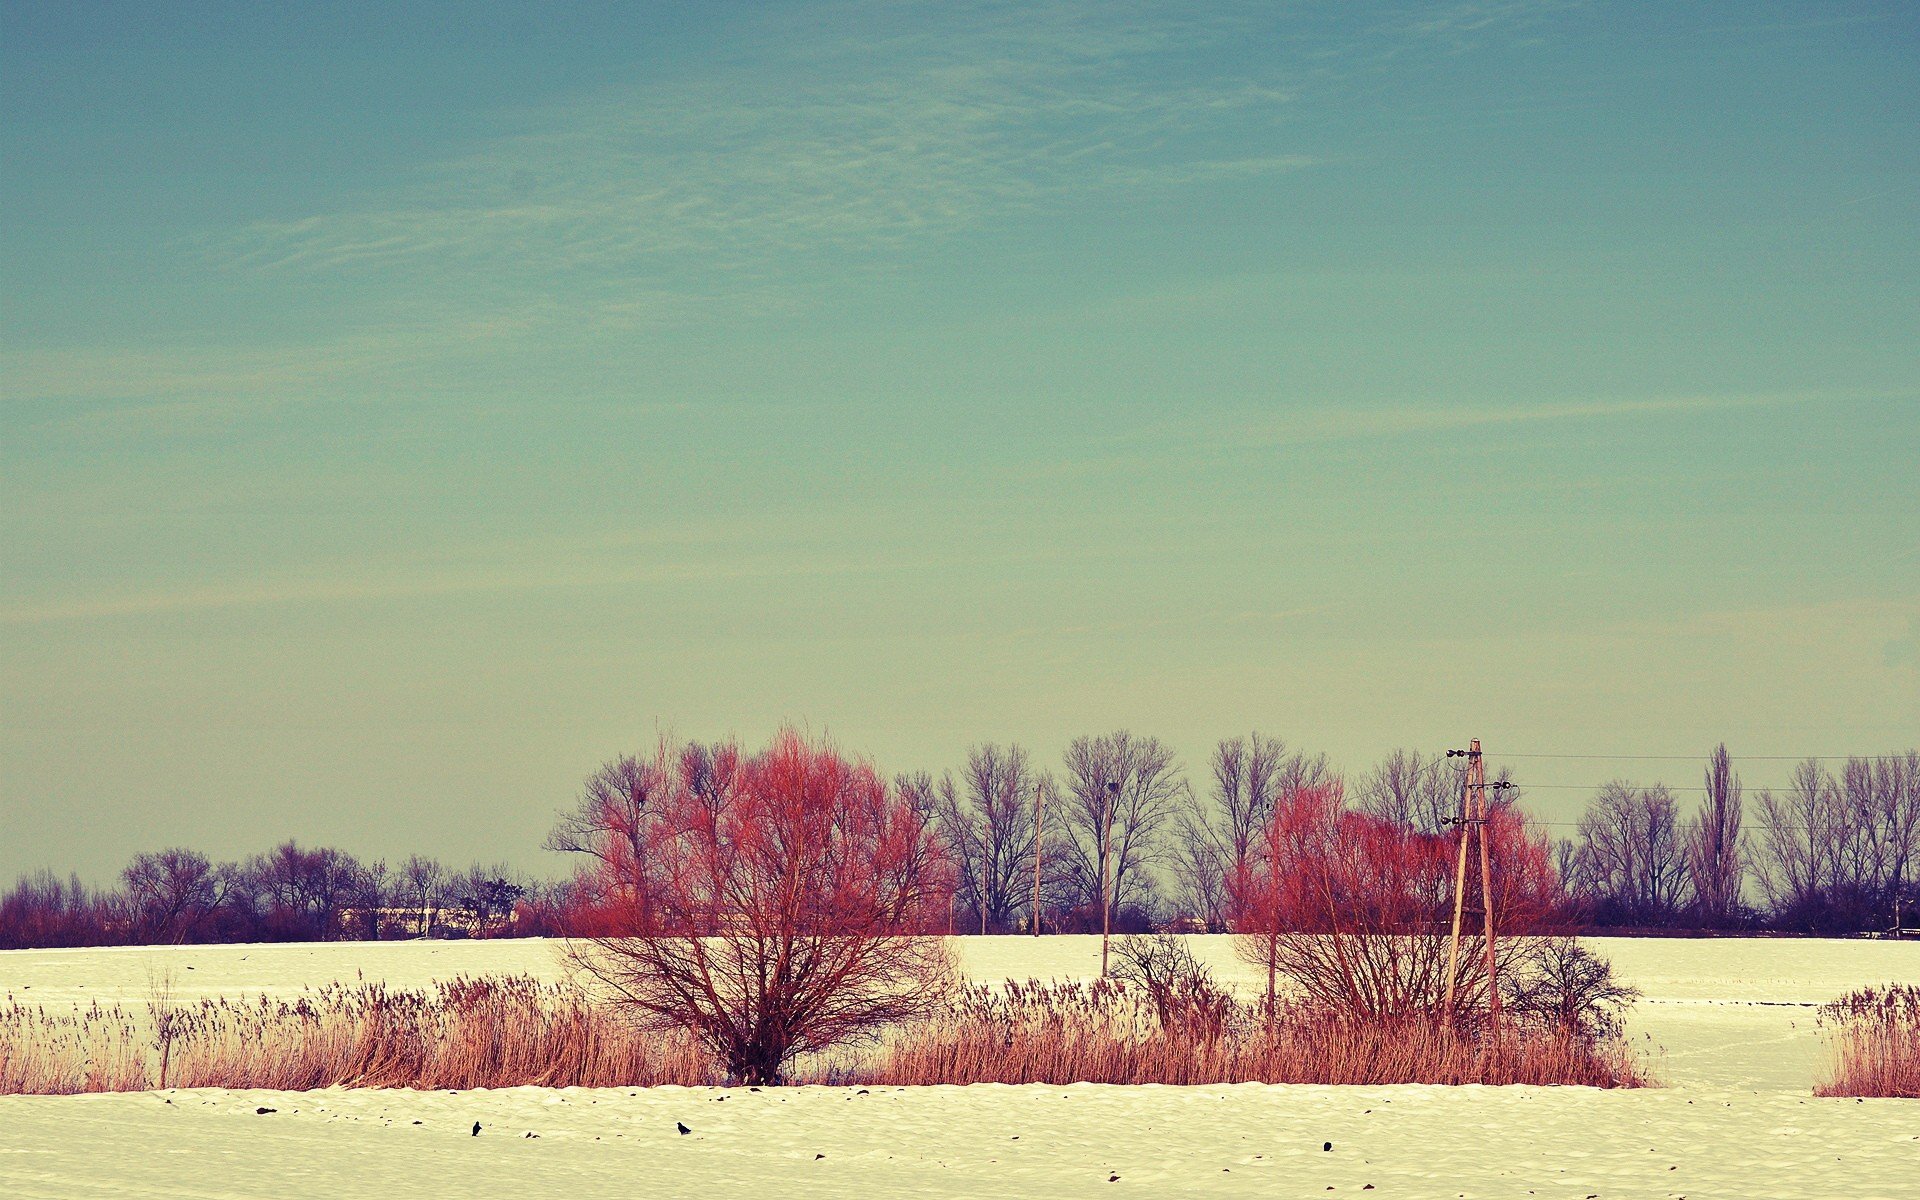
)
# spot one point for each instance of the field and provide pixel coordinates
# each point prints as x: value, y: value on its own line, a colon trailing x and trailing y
x: 1727, y: 1024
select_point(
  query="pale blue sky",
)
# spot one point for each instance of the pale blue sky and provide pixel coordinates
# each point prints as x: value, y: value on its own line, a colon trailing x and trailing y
x: 406, y: 410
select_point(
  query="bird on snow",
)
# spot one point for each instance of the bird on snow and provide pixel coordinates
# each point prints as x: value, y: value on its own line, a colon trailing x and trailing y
x: 684, y: 1131
x: 476, y: 1129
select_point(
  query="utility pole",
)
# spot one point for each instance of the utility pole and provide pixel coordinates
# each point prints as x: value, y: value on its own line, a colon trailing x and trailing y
x: 1473, y: 824
x: 1459, y: 898
x: 1106, y: 896
x: 1039, y: 847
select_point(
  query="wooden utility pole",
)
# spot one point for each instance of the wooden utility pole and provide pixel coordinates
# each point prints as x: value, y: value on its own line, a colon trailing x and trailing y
x: 1039, y: 847
x: 1473, y: 824
x: 1459, y: 901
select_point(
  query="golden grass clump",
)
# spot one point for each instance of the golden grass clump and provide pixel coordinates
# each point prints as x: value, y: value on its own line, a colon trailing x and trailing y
x: 1874, y: 1043
x: 1107, y: 1033
x: 463, y: 1033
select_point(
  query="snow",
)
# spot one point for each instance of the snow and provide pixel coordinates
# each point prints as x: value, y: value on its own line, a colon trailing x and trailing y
x: 1728, y: 1012
x: 989, y: 1140
x: 1731, y: 1019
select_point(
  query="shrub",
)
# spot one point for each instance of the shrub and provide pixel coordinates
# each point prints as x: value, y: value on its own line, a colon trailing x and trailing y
x: 772, y: 907
x: 1351, y: 911
x: 1180, y: 988
x: 1562, y: 987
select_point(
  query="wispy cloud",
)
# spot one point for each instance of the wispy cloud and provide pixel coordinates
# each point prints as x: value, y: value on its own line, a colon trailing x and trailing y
x: 1404, y: 420
x: 830, y: 140
x: 109, y: 372
x: 870, y: 124
x: 354, y: 583
x: 1460, y: 27
x: 813, y: 142
x: 681, y: 554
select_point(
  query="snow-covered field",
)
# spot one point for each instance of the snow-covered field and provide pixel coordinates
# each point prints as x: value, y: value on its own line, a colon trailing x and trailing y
x: 1729, y: 1022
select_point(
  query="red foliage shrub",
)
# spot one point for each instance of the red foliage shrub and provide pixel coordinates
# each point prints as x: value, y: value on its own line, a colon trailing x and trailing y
x: 1353, y: 910
x: 773, y: 906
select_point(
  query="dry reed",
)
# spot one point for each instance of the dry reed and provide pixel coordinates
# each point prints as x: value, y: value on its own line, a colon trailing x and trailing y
x: 1104, y: 1033
x: 1874, y: 1043
x: 464, y: 1033
x: 504, y: 1032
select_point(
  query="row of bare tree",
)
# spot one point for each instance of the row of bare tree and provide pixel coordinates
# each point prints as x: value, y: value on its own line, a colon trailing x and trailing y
x: 1834, y: 851
x: 1173, y: 852
x: 1114, y: 804
x: 289, y: 893
x: 1831, y: 852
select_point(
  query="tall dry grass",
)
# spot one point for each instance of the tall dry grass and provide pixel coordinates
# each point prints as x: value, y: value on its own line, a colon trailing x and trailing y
x: 504, y: 1032
x: 463, y: 1033
x: 1874, y: 1042
x: 1105, y: 1033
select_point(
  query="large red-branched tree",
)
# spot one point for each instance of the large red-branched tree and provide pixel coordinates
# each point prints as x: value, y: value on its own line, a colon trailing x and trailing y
x: 773, y: 905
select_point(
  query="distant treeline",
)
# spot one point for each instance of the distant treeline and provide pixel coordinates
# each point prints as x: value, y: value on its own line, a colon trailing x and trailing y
x: 289, y: 893
x: 1833, y: 852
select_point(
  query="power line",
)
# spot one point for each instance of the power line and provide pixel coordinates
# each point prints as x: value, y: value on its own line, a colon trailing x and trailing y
x: 1744, y: 825
x: 1701, y: 757
x: 1594, y: 787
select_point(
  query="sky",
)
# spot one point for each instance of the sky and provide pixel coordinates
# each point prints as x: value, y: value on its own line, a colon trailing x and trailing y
x: 404, y: 409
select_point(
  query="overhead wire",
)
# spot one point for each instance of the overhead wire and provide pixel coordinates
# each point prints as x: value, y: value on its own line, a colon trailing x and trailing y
x: 1700, y: 758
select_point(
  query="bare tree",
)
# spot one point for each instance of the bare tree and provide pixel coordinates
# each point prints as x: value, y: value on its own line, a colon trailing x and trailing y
x: 172, y: 894
x: 302, y: 893
x: 1883, y: 823
x: 1838, y: 850
x: 1566, y: 861
x: 990, y: 828
x: 486, y: 898
x: 1055, y: 887
x: 1866, y: 841
x: 1631, y: 865
x: 605, y: 824
x: 1200, y: 870
x: 1122, y: 794
x: 1897, y: 806
x: 1301, y: 772
x: 1801, y: 850
x: 1715, y: 860
x: 1214, y: 842
x: 921, y: 792
x: 369, y: 892
x: 1418, y: 792
x: 419, y: 888
x: 43, y: 910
